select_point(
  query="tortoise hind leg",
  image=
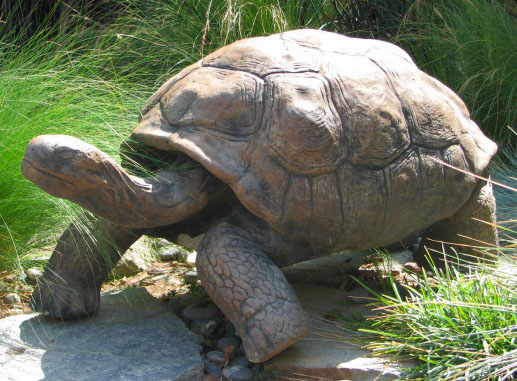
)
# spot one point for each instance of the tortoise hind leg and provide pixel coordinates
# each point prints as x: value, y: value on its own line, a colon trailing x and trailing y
x: 472, y: 225
x: 70, y: 286
x: 248, y: 287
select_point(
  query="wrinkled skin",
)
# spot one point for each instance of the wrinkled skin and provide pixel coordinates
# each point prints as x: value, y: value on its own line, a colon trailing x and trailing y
x: 298, y: 144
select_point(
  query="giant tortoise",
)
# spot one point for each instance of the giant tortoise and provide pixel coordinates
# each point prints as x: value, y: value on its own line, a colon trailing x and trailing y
x: 306, y: 143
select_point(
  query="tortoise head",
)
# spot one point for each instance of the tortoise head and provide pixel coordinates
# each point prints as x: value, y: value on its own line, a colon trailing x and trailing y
x: 64, y: 166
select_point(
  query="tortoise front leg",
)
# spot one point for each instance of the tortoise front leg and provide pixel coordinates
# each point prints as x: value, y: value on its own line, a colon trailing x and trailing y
x: 248, y: 287
x: 70, y: 286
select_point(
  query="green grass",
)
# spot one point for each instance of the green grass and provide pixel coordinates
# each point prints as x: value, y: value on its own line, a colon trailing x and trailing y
x: 459, y: 326
x: 52, y: 84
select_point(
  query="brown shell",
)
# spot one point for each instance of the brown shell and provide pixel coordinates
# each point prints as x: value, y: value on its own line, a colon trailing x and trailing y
x: 336, y: 139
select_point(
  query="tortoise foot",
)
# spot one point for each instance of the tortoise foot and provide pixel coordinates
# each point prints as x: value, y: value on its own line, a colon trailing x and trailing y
x: 64, y: 300
x: 273, y: 329
x: 71, y: 284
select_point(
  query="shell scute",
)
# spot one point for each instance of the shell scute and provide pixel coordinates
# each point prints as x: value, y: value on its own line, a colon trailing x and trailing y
x: 226, y: 100
x: 302, y: 129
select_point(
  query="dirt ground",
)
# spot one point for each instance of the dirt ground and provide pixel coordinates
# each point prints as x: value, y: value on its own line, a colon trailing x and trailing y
x: 163, y: 280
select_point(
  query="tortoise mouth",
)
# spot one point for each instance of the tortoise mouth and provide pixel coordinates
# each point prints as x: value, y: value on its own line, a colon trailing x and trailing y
x: 143, y: 160
x: 29, y: 167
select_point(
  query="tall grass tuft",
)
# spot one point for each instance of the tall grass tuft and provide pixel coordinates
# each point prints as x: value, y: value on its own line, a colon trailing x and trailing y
x: 52, y: 83
x: 460, y: 326
x: 471, y: 45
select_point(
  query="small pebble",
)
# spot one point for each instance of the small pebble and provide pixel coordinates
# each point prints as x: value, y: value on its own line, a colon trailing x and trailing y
x: 241, y: 360
x: 238, y: 373
x: 191, y: 257
x: 33, y: 274
x: 216, y: 356
x: 214, y: 370
x: 162, y: 242
x: 12, y: 299
x: 194, y: 312
x: 191, y: 276
x: 173, y: 254
x: 203, y: 327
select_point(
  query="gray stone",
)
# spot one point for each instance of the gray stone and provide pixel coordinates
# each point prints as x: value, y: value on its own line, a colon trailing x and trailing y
x: 329, y: 271
x: 33, y: 274
x: 130, y: 264
x: 162, y: 242
x: 191, y: 257
x: 173, y: 254
x: 132, y: 337
x: 194, y: 312
x: 203, y: 327
x: 237, y: 373
x: 328, y: 352
x: 191, y: 276
x: 214, y: 370
x: 241, y: 360
x: 216, y: 356
x: 12, y: 299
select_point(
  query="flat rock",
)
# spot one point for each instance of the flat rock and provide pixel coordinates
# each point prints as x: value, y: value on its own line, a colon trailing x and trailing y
x: 328, y: 352
x: 329, y: 270
x: 133, y: 337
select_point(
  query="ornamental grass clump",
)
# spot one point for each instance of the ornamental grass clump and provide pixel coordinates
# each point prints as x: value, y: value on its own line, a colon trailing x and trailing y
x: 458, y: 325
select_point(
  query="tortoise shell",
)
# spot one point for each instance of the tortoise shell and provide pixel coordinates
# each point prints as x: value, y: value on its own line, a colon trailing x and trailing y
x: 334, y: 139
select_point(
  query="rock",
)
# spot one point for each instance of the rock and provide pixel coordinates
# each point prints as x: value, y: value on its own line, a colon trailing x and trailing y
x: 329, y: 271
x: 191, y: 257
x: 237, y: 373
x: 130, y: 264
x: 12, y: 299
x: 216, y: 357
x: 33, y: 274
x: 214, y: 370
x: 132, y: 337
x: 241, y: 360
x: 190, y: 242
x: 162, y: 242
x: 191, y: 276
x: 203, y: 327
x: 194, y: 312
x: 173, y: 254
x: 319, y: 355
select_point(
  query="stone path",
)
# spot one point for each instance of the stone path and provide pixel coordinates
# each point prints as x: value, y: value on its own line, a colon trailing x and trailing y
x: 133, y: 337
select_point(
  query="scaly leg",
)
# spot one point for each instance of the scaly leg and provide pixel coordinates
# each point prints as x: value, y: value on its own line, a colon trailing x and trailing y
x: 236, y: 270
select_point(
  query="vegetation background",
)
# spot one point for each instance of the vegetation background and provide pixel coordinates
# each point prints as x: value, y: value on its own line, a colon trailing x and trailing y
x: 84, y: 67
